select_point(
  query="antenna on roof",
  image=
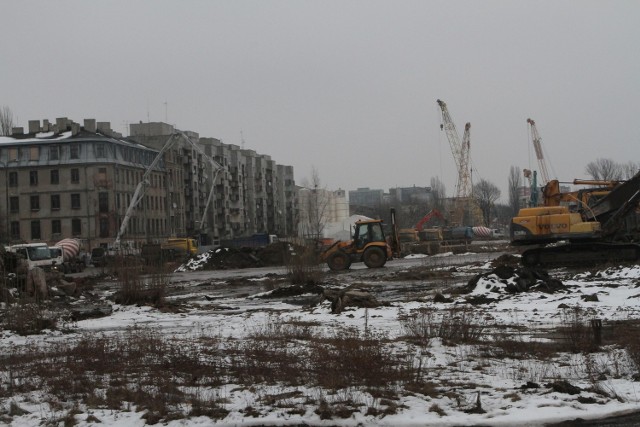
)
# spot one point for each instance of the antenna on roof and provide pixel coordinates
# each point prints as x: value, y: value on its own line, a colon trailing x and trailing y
x: 166, y: 115
x: 242, y: 140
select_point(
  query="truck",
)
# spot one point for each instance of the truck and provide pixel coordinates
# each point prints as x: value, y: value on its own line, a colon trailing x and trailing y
x: 66, y: 261
x: 174, y: 249
x: 34, y: 254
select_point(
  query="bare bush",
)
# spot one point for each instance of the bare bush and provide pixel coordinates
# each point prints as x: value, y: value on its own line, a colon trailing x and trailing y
x: 304, y: 268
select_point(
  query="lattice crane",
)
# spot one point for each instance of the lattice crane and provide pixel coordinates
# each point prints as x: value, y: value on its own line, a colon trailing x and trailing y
x: 459, y: 149
x: 461, y: 155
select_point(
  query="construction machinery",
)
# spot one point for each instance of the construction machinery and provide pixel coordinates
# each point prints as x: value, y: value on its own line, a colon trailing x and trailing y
x: 138, y: 195
x: 599, y: 228
x: 369, y: 245
x: 461, y: 156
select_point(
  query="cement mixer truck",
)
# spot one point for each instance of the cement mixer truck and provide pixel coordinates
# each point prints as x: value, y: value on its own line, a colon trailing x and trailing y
x: 65, y: 256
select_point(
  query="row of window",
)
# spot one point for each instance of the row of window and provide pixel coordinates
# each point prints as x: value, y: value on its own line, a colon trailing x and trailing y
x: 55, y: 152
x: 36, y: 229
x: 14, y: 202
x: 54, y: 177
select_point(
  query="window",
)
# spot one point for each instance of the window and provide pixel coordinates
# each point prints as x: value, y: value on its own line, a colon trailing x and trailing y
x: 56, y: 226
x: 35, y: 230
x: 102, y: 171
x: 75, y: 201
x: 15, y: 230
x: 13, y: 154
x: 55, y: 177
x: 14, y: 204
x: 75, y: 176
x: 55, y: 202
x: 100, y: 151
x: 103, y: 202
x: 104, y: 227
x: 35, y: 203
x: 74, y: 151
x: 33, y: 177
x: 54, y: 152
x: 34, y: 153
x: 76, y: 227
x: 13, y: 179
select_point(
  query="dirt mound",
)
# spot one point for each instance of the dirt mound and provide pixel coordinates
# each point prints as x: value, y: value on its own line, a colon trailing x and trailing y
x: 231, y: 258
x: 506, y: 278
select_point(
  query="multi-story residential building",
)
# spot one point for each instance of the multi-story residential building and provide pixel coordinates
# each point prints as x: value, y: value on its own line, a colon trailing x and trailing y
x: 252, y: 194
x: 66, y: 180
x: 63, y: 180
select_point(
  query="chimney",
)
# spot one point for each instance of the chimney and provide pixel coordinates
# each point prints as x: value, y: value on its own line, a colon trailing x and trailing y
x: 104, y: 128
x: 90, y: 125
x: 34, y: 126
x: 62, y: 124
x: 17, y: 131
x: 46, y: 126
x: 75, y: 128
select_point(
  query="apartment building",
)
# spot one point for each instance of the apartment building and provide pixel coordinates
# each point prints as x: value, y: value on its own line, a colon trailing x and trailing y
x: 252, y: 193
x: 66, y: 180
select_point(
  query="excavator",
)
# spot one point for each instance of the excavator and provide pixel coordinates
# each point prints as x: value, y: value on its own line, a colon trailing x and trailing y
x: 369, y: 245
x: 602, y: 226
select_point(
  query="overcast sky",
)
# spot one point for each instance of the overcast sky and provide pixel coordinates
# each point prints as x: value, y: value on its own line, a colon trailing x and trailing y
x: 349, y: 87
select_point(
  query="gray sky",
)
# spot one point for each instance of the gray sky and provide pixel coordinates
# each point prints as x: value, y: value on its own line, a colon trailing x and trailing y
x: 349, y: 87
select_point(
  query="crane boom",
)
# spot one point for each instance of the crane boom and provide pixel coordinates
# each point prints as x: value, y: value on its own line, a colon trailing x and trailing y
x: 140, y: 188
x: 537, y: 145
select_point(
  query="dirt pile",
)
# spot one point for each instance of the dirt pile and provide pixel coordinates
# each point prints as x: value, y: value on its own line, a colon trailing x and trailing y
x: 224, y: 258
x: 510, y: 279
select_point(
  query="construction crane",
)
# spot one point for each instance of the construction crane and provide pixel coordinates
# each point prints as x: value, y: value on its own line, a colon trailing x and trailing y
x: 461, y: 154
x: 537, y: 145
x: 140, y: 189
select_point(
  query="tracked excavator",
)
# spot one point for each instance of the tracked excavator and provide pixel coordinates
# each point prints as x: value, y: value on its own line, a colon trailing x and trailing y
x: 603, y: 227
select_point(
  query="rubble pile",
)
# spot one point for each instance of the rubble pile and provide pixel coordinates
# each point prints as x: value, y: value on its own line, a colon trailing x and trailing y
x: 224, y: 258
x: 509, y: 279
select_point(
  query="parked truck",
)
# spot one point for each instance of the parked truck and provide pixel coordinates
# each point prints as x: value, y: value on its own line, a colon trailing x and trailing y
x: 33, y: 254
x: 174, y: 249
x: 65, y: 256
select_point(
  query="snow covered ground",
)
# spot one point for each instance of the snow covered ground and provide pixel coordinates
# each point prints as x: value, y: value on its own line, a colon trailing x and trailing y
x: 501, y: 375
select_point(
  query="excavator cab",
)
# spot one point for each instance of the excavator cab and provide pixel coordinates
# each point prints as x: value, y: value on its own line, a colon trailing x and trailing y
x: 369, y: 245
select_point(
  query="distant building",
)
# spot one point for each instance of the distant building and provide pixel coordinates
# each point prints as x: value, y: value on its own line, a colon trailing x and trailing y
x: 366, y: 197
x: 318, y: 209
x: 411, y: 195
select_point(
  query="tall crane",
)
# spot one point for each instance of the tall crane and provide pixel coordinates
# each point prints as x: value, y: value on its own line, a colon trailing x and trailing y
x: 537, y: 145
x: 461, y: 153
x: 138, y: 195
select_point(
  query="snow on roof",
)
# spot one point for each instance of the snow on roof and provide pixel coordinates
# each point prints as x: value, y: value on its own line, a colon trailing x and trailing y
x: 39, y: 137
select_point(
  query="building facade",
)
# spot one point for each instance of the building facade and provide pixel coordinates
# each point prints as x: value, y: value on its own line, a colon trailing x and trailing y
x: 66, y: 180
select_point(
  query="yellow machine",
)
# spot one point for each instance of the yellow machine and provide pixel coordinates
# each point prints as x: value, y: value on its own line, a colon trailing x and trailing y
x: 181, y: 245
x: 368, y: 245
x: 603, y: 226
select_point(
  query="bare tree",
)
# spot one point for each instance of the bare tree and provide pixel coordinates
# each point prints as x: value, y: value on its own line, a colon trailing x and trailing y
x: 629, y: 169
x: 604, y: 169
x: 485, y: 194
x: 315, y: 207
x: 7, y: 121
x: 515, y: 182
x: 438, y: 193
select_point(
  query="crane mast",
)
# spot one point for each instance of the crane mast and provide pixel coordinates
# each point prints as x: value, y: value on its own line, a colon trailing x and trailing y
x: 461, y: 155
x: 459, y: 149
x: 138, y: 195
x: 537, y: 145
